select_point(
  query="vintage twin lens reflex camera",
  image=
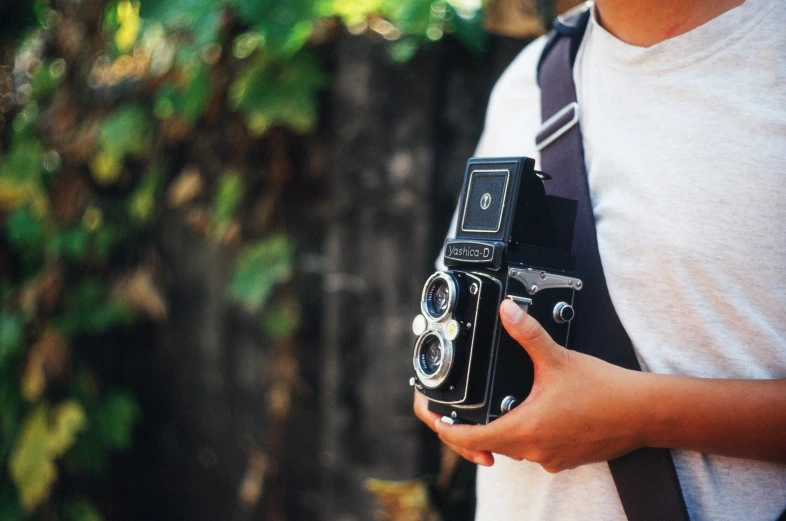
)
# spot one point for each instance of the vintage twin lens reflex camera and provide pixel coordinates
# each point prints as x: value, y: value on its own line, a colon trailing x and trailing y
x: 512, y: 241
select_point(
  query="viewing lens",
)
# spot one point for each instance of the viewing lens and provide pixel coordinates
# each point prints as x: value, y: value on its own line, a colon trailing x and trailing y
x: 438, y: 298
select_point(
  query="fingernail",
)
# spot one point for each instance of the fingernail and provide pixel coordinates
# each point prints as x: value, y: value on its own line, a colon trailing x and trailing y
x: 511, y: 310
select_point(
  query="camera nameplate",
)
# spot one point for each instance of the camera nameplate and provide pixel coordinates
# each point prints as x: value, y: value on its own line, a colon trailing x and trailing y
x: 462, y: 251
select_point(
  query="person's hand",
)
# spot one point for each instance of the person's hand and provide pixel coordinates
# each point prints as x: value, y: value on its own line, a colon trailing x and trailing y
x: 481, y: 457
x: 581, y: 409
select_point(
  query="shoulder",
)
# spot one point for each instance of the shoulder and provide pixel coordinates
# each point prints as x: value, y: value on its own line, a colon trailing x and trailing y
x: 513, y: 114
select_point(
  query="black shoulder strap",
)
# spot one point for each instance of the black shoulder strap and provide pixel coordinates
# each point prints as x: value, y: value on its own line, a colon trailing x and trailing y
x: 646, y: 479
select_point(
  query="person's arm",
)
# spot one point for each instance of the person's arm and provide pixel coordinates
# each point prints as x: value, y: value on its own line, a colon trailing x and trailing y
x: 582, y: 410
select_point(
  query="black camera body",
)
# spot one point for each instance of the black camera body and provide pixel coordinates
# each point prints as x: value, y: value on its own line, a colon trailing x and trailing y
x: 512, y: 241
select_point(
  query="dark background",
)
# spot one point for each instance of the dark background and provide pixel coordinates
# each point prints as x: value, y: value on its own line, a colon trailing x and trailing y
x: 394, y: 141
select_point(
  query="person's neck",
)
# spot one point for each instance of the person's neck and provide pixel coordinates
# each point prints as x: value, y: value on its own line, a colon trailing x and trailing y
x: 647, y: 22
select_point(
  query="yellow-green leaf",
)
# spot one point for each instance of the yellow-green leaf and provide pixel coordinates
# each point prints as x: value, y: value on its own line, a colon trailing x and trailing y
x: 32, y: 459
x: 30, y: 464
x: 68, y: 420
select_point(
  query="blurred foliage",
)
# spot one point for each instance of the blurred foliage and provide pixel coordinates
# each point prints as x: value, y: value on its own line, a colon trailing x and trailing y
x: 113, y: 114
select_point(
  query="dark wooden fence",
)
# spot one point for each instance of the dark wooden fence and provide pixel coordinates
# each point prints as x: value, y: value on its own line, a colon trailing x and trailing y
x: 369, y: 207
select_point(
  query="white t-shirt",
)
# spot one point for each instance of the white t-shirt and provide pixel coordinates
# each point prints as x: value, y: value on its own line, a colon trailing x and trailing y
x: 685, y: 145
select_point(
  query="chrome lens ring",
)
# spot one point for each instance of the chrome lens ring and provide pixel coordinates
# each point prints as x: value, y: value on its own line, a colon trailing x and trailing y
x: 435, y: 282
x: 431, y: 379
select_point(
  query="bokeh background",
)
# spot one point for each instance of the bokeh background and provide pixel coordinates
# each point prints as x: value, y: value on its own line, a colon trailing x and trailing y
x: 217, y: 216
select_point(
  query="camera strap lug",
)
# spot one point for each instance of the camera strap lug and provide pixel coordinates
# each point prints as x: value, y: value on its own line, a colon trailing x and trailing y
x: 538, y: 280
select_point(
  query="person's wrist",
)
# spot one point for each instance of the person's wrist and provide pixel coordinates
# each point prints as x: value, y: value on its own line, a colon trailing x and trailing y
x: 639, y: 416
x: 653, y: 395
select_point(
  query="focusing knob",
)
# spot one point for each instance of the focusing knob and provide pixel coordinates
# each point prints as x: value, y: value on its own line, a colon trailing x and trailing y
x: 563, y: 313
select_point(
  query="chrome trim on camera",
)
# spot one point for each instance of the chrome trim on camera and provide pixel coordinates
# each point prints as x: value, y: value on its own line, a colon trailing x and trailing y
x: 523, y: 303
x: 502, y: 208
x: 538, y: 280
x: 452, y: 296
x: 433, y: 381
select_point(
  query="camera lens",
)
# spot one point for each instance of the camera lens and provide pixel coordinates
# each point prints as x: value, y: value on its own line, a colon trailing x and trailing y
x: 433, y: 359
x: 432, y: 355
x: 439, y: 295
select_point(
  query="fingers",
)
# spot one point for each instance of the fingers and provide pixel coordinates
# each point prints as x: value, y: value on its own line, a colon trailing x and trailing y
x: 481, y: 457
x: 421, y: 411
x: 431, y: 418
x: 528, y: 332
x: 475, y: 437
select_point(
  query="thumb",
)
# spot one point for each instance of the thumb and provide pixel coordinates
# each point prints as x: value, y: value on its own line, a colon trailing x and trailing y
x: 529, y: 333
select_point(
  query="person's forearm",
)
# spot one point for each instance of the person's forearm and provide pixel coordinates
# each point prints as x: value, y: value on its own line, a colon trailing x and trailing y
x: 739, y: 418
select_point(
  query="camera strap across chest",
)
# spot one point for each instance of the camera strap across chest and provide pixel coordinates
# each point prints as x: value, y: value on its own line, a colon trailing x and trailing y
x: 646, y: 479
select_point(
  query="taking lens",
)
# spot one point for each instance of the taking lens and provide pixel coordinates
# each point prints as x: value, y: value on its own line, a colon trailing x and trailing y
x: 432, y: 355
x: 433, y: 359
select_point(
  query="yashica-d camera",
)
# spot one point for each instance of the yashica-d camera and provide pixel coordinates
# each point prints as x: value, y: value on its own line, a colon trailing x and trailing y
x: 512, y: 241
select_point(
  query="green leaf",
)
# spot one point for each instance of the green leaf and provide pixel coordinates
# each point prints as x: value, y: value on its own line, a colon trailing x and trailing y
x: 259, y: 268
x: 126, y: 131
x: 26, y: 231
x: 194, y: 100
x: 11, y: 338
x: 89, y: 309
x: 403, y: 50
x: 469, y: 29
x: 111, y: 421
x: 20, y: 177
x: 27, y: 235
x: 72, y: 243
x: 81, y: 510
x: 285, y: 26
x: 116, y: 418
x: 105, y: 240
x: 279, y: 93
x: 199, y: 18
x: 411, y: 18
x: 229, y: 194
x: 47, y: 78
x: 143, y: 200
x: 23, y: 161
x: 281, y: 321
